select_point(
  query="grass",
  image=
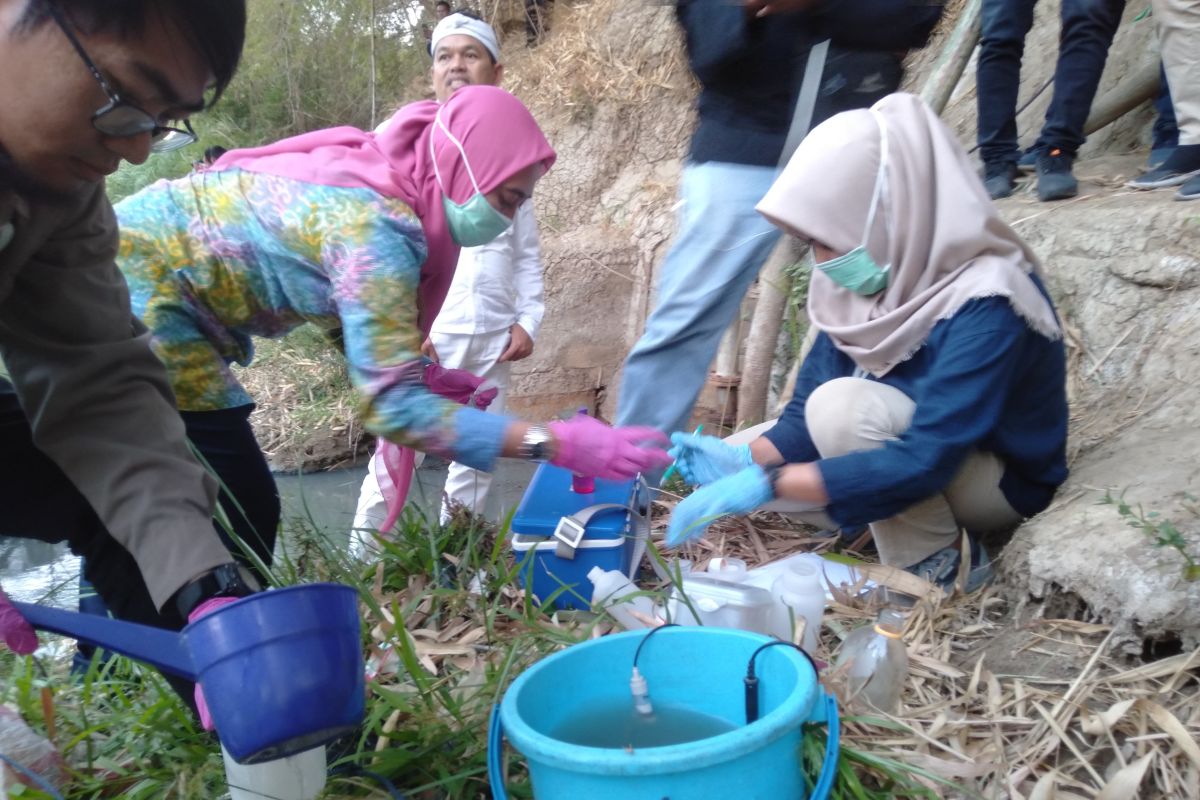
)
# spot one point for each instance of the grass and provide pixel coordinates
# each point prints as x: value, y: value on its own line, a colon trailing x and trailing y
x: 446, y: 630
x: 1161, y: 531
x: 440, y: 652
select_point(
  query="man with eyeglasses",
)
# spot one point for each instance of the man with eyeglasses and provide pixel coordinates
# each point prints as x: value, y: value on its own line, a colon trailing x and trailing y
x: 93, y: 450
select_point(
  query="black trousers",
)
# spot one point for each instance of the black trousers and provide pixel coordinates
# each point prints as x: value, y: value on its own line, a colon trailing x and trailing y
x: 40, y: 502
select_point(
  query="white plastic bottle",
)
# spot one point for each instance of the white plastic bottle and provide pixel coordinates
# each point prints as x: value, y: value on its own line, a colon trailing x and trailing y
x: 296, y: 777
x: 727, y: 569
x: 800, y: 601
x: 875, y: 662
x: 610, y: 592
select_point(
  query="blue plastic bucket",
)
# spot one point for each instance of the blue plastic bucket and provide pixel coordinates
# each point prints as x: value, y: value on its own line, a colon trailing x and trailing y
x: 699, y: 668
x: 297, y: 686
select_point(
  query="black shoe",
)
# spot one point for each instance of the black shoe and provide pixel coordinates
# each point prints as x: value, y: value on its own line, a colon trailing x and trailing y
x: 1000, y: 180
x: 1027, y: 163
x: 1182, y: 165
x: 941, y: 568
x: 1054, y: 178
x: 1190, y: 190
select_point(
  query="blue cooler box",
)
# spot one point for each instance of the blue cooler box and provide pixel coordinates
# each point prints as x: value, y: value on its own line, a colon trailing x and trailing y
x: 606, y: 540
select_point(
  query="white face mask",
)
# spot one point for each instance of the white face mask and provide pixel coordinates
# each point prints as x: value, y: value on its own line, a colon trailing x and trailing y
x: 474, y: 222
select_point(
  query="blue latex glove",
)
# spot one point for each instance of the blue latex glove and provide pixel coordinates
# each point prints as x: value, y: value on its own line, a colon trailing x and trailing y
x: 704, y: 459
x: 739, y: 493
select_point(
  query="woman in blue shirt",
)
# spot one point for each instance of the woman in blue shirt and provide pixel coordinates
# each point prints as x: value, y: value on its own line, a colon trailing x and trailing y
x: 933, y: 399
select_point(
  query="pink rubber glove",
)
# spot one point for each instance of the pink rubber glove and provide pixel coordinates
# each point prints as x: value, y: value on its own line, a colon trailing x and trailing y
x: 207, y: 607
x: 16, y: 632
x: 460, y: 386
x: 587, y: 446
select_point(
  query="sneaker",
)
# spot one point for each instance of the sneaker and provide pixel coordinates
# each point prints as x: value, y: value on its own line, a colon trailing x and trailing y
x: 1054, y: 178
x: 1000, y: 179
x: 846, y: 536
x: 941, y: 568
x: 1190, y: 190
x: 1027, y: 163
x: 1158, y: 155
x: 1182, y: 165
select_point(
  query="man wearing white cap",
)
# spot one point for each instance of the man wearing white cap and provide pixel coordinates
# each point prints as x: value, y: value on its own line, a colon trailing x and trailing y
x: 494, y: 306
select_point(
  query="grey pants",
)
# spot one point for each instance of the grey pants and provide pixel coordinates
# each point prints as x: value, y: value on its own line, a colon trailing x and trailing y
x: 847, y: 415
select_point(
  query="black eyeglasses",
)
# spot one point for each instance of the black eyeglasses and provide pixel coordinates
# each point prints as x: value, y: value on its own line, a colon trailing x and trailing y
x: 118, y: 118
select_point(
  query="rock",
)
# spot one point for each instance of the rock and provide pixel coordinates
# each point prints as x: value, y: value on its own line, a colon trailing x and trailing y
x: 1124, y: 270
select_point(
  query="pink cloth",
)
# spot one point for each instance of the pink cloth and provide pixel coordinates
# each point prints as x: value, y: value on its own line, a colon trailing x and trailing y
x: 16, y: 632
x: 399, y: 463
x: 498, y: 133
x: 454, y: 384
x: 460, y: 386
x: 207, y: 607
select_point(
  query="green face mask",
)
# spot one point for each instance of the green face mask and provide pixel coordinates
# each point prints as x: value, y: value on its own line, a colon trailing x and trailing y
x: 474, y: 222
x: 857, y: 270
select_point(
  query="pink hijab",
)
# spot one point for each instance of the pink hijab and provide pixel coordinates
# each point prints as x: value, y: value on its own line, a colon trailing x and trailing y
x: 498, y: 135
x: 497, y: 132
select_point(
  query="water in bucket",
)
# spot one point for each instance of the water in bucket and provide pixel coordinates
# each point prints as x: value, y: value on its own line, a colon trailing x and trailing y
x: 606, y: 724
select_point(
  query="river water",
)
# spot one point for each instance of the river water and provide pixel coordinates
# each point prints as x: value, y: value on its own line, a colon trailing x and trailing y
x: 34, y: 571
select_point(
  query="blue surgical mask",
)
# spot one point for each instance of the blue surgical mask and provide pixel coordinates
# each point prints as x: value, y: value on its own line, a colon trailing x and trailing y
x: 857, y: 270
x: 474, y: 222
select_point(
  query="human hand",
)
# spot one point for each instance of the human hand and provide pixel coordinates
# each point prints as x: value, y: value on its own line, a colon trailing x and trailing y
x: 520, y: 344
x: 429, y: 351
x: 207, y: 607
x: 704, y: 459
x: 460, y: 386
x: 739, y: 493
x: 587, y: 446
x: 14, y: 629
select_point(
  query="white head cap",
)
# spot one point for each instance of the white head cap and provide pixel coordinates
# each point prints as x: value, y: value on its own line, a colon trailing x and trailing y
x: 462, y: 25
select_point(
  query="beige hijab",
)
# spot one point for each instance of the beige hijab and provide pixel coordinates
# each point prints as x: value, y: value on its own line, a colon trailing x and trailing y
x: 934, y: 225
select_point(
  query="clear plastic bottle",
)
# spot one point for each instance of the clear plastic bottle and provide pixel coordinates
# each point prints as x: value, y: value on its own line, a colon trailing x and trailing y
x: 610, y: 592
x: 800, y: 601
x: 875, y: 662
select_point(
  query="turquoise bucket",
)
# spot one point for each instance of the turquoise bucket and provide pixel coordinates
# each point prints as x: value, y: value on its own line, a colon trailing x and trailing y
x: 701, y: 669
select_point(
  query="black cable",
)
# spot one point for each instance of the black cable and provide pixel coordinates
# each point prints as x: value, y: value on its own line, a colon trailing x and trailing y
x: 355, y: 771
x: 751, y: 682
x: 637, y: 653
x: 1024, y: 106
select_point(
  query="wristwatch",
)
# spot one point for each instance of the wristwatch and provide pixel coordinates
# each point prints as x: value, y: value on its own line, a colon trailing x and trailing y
x: 535, y: 445
x: 227, y: 580
x: 773, y: 474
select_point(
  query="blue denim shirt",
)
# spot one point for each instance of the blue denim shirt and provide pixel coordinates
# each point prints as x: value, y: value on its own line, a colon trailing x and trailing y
x: 982, y: 380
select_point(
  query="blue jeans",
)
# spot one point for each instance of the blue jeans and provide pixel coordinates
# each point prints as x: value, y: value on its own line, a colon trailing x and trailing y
x: 1087, y: 31
x: 717, y: 252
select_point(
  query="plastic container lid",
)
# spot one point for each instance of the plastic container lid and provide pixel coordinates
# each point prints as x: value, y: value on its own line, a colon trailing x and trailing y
x: 549, y: 498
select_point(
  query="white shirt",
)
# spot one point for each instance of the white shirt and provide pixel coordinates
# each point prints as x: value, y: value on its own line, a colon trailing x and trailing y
x: 498, y: 283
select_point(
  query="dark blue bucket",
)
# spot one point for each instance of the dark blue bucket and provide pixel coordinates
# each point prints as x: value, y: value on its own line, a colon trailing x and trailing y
x: 282, y: 671
x: 297, y: 686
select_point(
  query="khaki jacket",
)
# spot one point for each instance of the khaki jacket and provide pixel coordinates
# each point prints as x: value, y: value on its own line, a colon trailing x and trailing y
x: 96, y: 397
